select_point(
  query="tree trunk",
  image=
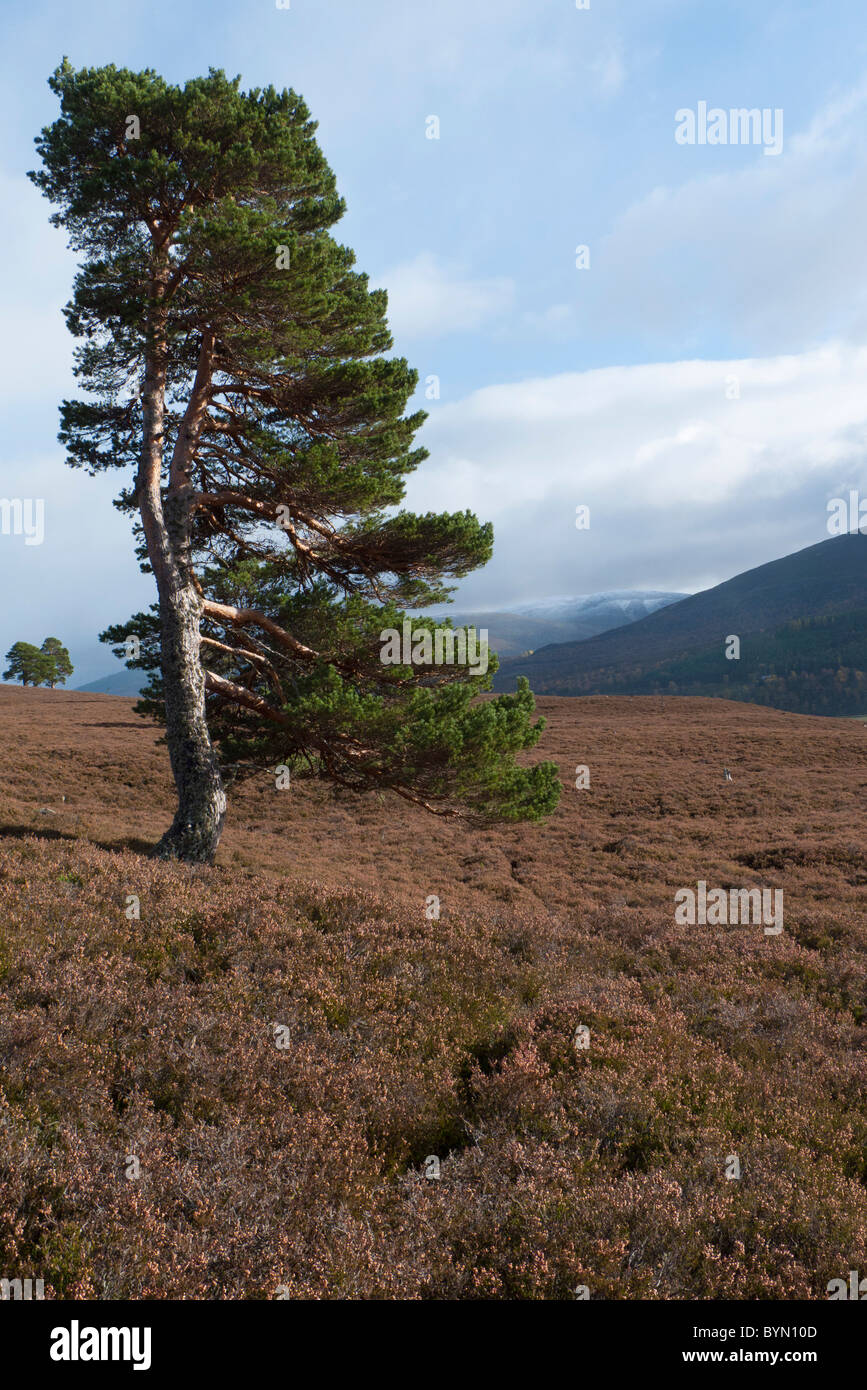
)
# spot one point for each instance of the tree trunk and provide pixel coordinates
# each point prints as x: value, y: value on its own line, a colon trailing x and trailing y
x: 195, y: 831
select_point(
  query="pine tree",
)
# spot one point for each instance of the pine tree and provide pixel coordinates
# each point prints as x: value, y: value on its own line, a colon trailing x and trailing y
x: 234, y: 357
x: 58, y: 663
x: 27, y: 664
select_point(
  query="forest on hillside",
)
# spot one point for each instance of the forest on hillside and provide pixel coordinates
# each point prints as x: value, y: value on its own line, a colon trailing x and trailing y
x: 808, y: 666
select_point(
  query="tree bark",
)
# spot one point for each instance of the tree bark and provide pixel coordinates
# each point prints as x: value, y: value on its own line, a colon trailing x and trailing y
x: 198, y: 824
x: 195, y: 831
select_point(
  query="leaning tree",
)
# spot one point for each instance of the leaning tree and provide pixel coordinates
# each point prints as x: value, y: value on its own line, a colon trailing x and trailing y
x: 234, y: 361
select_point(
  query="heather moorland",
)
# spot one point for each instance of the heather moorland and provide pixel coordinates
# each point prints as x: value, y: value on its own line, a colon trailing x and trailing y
x: 238, y: 1093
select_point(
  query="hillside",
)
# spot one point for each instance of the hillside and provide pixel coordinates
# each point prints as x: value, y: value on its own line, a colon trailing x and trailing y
x: 281, y: 1041
x: 122, y: 682
x: 810, y: 666
x: 681, y: 648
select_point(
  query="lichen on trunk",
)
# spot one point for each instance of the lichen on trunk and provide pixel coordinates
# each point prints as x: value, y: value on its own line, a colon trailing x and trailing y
x: 195, y: 831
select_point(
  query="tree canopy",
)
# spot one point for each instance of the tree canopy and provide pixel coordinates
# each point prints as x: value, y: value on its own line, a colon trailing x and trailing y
x: 232, y: 354
x: 45, y: 665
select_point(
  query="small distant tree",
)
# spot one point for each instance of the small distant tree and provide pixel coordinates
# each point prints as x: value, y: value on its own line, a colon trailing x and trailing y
x: 238, y: 363
x: 27, y: 664
x: 58, y: 664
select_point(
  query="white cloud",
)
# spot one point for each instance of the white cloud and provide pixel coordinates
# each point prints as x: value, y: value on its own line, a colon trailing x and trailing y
x: 683, y: 482
x: 669, y: 430
x: 428, y: 299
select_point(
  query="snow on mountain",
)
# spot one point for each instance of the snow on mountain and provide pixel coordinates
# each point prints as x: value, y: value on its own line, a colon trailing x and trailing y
x: 621, y: 604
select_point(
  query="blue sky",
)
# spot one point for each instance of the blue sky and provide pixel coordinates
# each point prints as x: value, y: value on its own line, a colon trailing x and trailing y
x: 609, y: 386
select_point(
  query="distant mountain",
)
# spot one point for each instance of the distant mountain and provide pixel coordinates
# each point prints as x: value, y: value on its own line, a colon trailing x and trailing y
x: 525, y: 627
x: 121, y: 682
x: 802, y: 623
x: 612, y: 608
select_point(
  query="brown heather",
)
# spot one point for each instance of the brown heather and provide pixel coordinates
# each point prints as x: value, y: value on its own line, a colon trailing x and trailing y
x: 300, y: 1169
